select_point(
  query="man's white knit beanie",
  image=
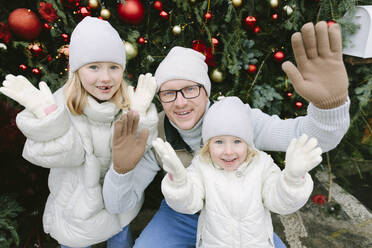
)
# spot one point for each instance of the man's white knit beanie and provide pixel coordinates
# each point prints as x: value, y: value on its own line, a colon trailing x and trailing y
x: 229, y: 116
x: 95, y: 40
x: 183, y: 63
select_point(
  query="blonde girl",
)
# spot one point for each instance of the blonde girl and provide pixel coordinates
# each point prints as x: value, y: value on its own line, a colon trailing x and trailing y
x: 70, y: 132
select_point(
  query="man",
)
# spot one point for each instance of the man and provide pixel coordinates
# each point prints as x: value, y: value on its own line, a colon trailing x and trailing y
x: 184, y: 87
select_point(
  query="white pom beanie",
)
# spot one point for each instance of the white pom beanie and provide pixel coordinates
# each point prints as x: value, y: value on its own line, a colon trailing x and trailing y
x: 95, y: 40
x: 183, y: 63
x: 229, y: 116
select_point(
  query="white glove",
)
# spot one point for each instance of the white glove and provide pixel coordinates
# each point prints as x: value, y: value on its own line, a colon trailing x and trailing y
x: 171, y: 163
x: 302, y: 156
x: 141, y: 99
x: 39, y: 102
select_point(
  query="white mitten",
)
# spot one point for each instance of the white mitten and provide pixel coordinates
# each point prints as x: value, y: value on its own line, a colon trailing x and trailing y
x: 171, y: 163
x: 302, y: 156
x: 39, y: 102
x: 141, y: 99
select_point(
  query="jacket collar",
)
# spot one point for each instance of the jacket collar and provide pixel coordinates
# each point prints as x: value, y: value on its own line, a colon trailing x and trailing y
x: 173, y: 136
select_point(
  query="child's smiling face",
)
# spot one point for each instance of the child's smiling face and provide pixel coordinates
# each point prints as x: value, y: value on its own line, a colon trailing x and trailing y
x: 101, y: 79
x: 228, y: 152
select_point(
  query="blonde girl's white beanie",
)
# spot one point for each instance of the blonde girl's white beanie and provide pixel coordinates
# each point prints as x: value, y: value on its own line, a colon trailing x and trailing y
x: 183, y: 63
x: 228, y: 116
x: 95, y: 40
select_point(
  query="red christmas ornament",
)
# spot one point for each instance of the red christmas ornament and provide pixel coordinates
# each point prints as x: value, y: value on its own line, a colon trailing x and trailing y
x: 214, y: 42
x: 158, y: 5
x: 252, y: 68
x: 36, y: 71
x: 65, y: 37
x: 84, y: 11
x: 22, y: 67
x: 289, y: 94
x: 24, y: 23
x: 319, y: 199
x: 279, y: 56
x: 275, y: 16
x: 256, y: 29
x: 47, y: 26
x: 131, y: 11
x: 208, y: 16
x: 330, y: 23
x: 250, y: 21
x: 141, y: 40
x: 299, y: 105
x: 164, y: 14
x: 49, y: 58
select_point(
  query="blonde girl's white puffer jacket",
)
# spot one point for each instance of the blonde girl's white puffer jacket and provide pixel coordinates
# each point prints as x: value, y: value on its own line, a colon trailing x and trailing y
x: 77, y: 149
x: 235, y: 206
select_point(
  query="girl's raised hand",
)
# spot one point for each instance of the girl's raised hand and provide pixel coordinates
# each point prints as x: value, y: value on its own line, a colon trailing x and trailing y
x: 38, y: 101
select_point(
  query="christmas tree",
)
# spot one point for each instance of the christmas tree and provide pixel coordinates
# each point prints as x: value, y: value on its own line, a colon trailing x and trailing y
x: 245, y: 42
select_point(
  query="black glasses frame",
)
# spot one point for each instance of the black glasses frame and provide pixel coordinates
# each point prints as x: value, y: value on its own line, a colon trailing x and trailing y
x: 181, y: 91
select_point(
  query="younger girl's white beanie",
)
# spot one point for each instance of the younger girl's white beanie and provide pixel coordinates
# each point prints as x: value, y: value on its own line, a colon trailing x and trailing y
x: 95, y: 40
x: 228, y: 116
x: 183, y: 63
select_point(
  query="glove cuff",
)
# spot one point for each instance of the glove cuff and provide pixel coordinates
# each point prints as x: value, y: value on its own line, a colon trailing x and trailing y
x: 293, y: 181
x: 332, y: 102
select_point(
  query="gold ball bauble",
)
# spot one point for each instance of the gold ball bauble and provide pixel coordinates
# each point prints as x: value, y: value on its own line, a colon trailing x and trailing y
x: 176, y: 30
x: 131, y: 51
x: 105, y: 13
x: 288, y: 9
x: 93, y: 4
x: 274, y: 3
x: 217, y: 76
x: 237, y: 3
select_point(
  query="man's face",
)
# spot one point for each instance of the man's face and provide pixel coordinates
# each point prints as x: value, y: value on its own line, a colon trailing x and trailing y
x: 184, y: 113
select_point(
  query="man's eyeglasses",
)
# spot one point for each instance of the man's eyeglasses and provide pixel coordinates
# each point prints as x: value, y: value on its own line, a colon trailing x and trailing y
x: 187, y: 92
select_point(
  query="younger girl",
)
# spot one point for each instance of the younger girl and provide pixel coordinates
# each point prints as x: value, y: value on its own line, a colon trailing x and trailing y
x: 70, y: 133
x: 233, y: 184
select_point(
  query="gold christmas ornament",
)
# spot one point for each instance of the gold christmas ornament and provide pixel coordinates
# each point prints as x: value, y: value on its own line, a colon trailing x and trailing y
x: 130, y: 50
x: 105, y: 13
x: 274, y: 3
x: 217, y: 76
x: 176, y: 30
x: 288, y: 9
x: 93, y: 4
x: 193, y: 1
x: 237, y: 3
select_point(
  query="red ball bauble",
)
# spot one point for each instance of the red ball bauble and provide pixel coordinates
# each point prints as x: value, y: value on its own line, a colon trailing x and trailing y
x: 299, y: 104
x: 208, y: 16
x: 141, y: 40
x: 250, y: 21
x: 256, y: 30
x: 252, y: 68
x: 279, y: 56
x: 158, y: 5
x: 275, y: 16
x: 25, y: 23
x: 164, y: 14
x: 215, y: 42
x: 131, y: 11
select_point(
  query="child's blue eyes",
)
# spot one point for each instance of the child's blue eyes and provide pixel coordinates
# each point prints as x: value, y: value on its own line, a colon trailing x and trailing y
x: 235, y: 142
